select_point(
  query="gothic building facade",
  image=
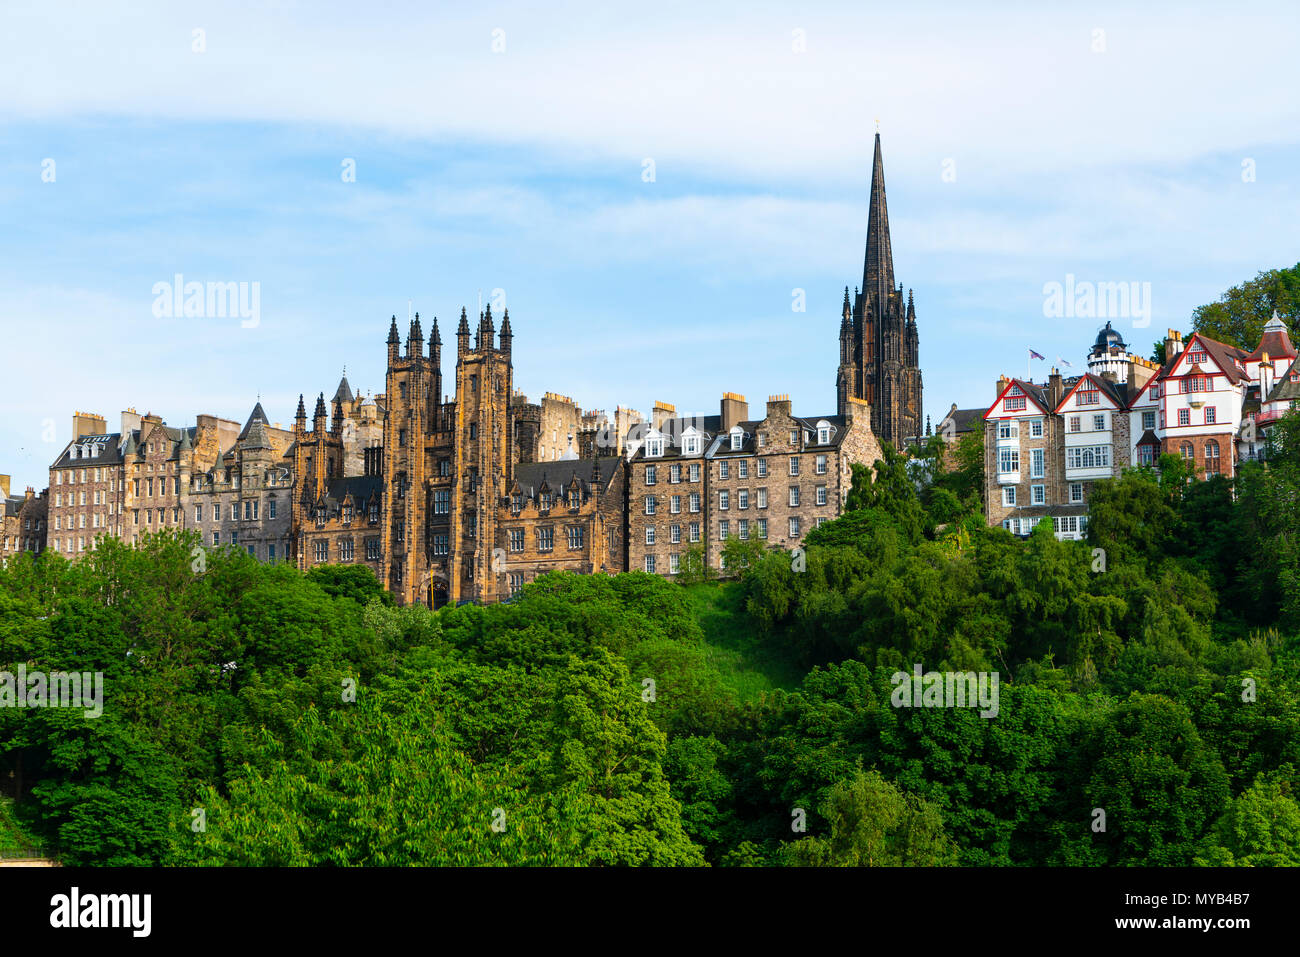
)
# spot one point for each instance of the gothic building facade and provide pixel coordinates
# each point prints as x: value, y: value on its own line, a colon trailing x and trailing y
x: 879, y: 348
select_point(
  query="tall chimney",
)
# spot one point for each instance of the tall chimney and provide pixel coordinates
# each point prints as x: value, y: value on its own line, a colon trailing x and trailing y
x: 87, y: 423
x: 734, y: 410
x: 4, y: 486
x: 1002, y: 384
x: 1173, y: 343
x: 662, y: 412
x: 1055, y: 389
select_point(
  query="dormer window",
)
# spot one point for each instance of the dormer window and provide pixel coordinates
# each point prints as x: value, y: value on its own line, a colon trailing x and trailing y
x: 823, y: 432
x: 737, y: 439
x: 691, y: 445
x: 654, y: 448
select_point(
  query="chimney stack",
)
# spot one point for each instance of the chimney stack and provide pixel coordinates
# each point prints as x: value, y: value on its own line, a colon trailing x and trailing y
x: 4, y: 486
x: 734, y: 410
x: 662, y: 412
x: 1002, y: 384
x: 1173, y: 344
x: 87, y: 423
x: 778, y: 403
x: 1055, y: 388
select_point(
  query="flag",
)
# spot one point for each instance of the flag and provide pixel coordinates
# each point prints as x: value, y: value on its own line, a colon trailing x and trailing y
x: 1062, y: 361
x: 1035, y: 355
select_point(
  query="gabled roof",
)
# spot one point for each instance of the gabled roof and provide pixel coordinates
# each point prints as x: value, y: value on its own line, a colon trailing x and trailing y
x: 1035, y: 393
x: 1115, y: 391
x: 1225, y: 357
x: 963, y: 420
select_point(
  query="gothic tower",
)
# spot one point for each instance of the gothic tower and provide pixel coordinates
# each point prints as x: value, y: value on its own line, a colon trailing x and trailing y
x: 482, y: 465
x: 879, y: 346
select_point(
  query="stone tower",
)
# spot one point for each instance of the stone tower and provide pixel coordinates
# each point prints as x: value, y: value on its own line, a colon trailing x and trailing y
x: 879, y: 346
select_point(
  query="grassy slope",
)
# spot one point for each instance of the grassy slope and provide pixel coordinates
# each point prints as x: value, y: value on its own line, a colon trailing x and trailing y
x: 747, y: 662
x: 14, y: 842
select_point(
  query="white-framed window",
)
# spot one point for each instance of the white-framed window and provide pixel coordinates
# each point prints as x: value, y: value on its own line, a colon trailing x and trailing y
x: 1148, y: 420
x: 794, y: 465
x: 650, y: 564
x: 1007, y: 429
x: 821, y: 494
x: 1038, y: 495
x: 761, y: 528
x: 675, y: 504
x: 694, y: 502
x: 545, y: 539
x: 675, y: 534
x: 650, y: 535
x: 794, y: 527
x: 1035, y: 428
x: 575, y: 537
x: 724, y: 470
x: 742, y: 529
x: 1076, y: 493
x: 724, y: 529
x: 674, y: 473
x: 1184, y: 416
x: 345, y: 550
x: 724, y: 500
x: 823, y: 434
x: 322, y: 550
x: 198, y: 513
x: 1211, y: 416
x: 761, y: 468
x: 1009, y: 460
x: 694, y: 471
x: 1036, y: 463
x: 654, y: 448
x: 742, y: 468
x: 691, y: 445
x: 1087, y: 457
x: 516, y: 582
x: 820, y: 466
x: 737, y: 439
x: 742, y: 498
x: 674, y: 563
x: 1099, y: 423
x: 650, y: 504
x: 794, y: 495
x: 1076, y: 423
x: 695, y: 531
x: 1008, y: 495
x: 760, y: 498
x: 516, y: 539
x: 651, y: 475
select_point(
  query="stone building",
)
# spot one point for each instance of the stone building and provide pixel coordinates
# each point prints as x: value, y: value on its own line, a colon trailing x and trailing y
x: 244, y: 498
x: 22, y: 521
x: 700, y: 481
x: 337, y: 503
x: 562, y: 516
x: 879, y: 344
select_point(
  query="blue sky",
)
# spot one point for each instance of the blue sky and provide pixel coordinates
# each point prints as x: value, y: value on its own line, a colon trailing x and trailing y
x: 522, y: 170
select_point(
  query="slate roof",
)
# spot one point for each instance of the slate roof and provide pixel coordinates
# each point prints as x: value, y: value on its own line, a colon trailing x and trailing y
x: 964, y: 420
x: 360, y: 487
x: 558, y: 475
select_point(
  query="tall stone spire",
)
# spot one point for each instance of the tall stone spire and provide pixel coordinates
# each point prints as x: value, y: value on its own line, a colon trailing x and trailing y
x: 878, y: 271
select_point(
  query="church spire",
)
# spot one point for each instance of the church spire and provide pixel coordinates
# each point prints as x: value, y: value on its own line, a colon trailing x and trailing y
x: 878, y: 271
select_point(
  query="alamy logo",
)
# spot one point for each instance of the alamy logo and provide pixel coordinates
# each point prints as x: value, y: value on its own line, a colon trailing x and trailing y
x: 213, y: 300
x: 59, y: 689
x: 946, y: 689
x: 1098, y: 300
x: 102, y: 910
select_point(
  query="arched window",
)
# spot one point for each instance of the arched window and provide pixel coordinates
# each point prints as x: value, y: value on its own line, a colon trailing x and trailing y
x: 1187, y: 452
x: 1211, y: 457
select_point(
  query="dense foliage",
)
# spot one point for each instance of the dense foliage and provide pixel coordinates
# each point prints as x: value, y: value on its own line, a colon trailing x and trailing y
x: 1148, y: 713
